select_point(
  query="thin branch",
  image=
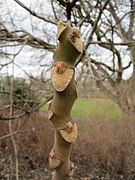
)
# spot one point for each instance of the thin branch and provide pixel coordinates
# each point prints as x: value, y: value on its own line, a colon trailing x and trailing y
x: 95, y: 23
x: 7, y: 118
x: 53, y: 8
x: 131, y: 23
x: 32, y: 12
x: 25, y: 38
x: 5, y: 107
x: 118, y: 21
x: 10, y: 123
x: 26, y: 112
x: 126, y: 43
x: 8, y: 135
x: 24, y: 131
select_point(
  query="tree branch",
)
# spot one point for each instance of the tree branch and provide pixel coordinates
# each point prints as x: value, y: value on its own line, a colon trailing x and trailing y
x: 26, y: 37
x: 126, y: 43
x: 95, y: 23
x: 32, y: 12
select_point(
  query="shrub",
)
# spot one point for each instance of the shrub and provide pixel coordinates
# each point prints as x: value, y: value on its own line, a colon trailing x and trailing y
x: 23, y: 93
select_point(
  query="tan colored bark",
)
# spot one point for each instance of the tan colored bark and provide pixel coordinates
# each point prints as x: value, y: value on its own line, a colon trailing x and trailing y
x: 59, y: 111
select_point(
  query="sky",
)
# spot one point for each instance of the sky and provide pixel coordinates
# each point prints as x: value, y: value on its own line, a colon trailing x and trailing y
x: 30, y: 59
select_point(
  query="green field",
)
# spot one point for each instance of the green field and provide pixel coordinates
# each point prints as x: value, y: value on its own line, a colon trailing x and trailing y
x: 95, y: 108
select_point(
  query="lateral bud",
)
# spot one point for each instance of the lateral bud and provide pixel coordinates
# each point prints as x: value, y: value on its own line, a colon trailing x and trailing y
x: 69, y: 132
x: 60, y: 67
x: 71, y: 171
x: 61, y: 76
x: 53, y: 161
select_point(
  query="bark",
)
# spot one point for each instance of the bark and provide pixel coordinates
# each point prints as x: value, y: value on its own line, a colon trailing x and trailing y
x: 59, y: 111
x: 132, y: 90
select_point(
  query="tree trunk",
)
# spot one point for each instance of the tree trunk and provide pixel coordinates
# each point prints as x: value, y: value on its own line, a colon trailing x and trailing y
x: 63, y: 71
x: 132, y: 90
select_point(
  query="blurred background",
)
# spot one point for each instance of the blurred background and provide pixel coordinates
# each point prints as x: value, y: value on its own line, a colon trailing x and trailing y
x: 105, y: 76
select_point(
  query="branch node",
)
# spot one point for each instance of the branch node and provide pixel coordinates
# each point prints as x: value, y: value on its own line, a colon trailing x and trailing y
x: 53, y: 160
x: 69, y: 126
x: 60, y: 67
x: 50, y: 114
x: 61, y: 27
x: 61, y: 76
x: 69, y: 132
x: 71, y: 172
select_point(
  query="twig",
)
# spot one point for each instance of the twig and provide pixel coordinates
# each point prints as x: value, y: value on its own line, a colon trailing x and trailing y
x: 32, y: 12
x: 24, y: 131
x: 95, y: 24
x: 10, y: 125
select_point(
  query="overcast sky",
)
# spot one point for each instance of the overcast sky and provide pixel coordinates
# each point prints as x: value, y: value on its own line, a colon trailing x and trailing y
x: 31, y: 59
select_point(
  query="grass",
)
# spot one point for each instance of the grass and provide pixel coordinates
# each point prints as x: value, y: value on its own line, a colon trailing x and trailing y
x: 94, y: 108
x: 97, y: 108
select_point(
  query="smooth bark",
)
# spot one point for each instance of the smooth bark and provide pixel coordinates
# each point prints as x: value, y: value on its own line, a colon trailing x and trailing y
x: 69, y: 49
